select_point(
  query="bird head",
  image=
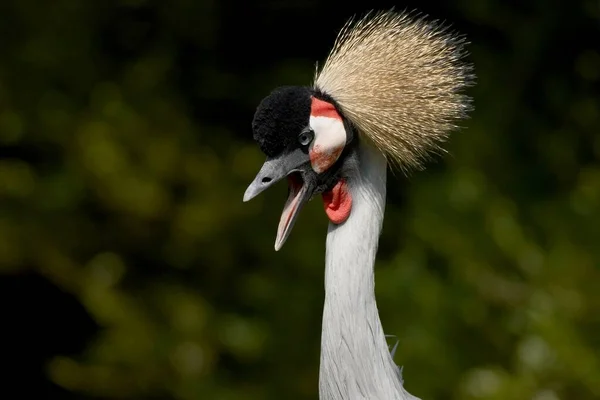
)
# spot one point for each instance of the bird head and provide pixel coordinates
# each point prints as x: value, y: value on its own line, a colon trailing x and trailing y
x: 306, y: 139
x: 393, y: 80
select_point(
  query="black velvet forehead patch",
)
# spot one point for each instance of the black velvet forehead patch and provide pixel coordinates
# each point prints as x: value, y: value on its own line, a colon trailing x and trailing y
x: 280, y: 117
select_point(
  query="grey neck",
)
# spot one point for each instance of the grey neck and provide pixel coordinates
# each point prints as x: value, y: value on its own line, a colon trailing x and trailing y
x: 355, y: 358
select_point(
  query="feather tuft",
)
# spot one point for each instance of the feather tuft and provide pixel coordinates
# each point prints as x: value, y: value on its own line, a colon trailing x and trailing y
x: 398, y: 78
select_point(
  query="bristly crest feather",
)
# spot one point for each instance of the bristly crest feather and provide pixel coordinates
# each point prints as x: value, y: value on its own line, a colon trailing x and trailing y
x: 398, y: 79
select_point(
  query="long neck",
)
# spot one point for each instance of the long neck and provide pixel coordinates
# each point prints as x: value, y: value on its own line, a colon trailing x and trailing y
x: 355, y: 358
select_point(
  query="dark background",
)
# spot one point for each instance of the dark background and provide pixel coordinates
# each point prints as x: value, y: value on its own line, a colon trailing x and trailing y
x: 130, y: 268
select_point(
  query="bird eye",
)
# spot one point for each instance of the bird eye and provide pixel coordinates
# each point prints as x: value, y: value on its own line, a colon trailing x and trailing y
x: 306, y: 137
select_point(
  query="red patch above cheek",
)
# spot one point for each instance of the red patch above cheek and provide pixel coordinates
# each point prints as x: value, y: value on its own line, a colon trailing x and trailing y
x: 321, y: 108
x: 321, y: 160
x: 338, y: 202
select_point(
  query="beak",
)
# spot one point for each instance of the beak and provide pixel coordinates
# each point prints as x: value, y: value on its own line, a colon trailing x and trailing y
x: 293, y: 166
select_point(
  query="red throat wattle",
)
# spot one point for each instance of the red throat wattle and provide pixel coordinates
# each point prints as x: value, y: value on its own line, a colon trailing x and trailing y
x: 338, y: 202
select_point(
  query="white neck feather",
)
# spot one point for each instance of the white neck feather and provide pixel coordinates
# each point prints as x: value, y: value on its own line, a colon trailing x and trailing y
x: 356, y: 362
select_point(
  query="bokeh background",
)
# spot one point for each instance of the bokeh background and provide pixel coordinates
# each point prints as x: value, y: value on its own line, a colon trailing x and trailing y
x: 131, y: 269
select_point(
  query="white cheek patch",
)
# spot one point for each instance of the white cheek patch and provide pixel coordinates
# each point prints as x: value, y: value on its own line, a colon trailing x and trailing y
x: 329, y: 142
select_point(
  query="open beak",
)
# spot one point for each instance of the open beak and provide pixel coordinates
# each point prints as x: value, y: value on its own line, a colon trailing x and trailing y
x: 292, y: 166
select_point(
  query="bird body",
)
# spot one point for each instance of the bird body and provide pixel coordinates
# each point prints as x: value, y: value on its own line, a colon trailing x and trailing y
x: 388, y: 93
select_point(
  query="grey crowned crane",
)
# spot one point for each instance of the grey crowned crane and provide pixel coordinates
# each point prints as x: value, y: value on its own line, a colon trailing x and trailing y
x: 389, y: 92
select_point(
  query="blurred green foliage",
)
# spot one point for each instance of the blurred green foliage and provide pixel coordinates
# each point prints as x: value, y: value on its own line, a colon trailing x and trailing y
x: 118, y: 190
